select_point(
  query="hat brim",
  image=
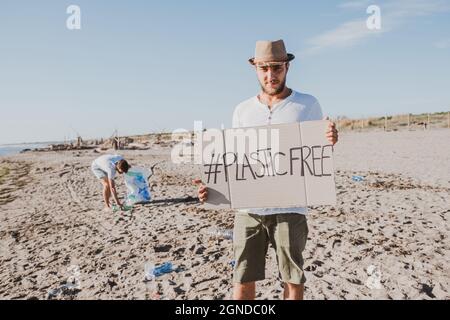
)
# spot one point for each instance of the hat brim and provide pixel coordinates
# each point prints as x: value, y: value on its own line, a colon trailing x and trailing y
x: 290, y: 57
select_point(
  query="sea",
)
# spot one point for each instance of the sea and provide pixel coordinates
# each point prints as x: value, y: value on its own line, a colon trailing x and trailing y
x: 11, y: 149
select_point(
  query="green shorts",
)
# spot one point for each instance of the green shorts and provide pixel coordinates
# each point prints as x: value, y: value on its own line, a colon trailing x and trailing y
x: 286, y: 232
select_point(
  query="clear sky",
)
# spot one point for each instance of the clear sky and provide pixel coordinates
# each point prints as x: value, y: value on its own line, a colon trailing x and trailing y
x: 146, y: 66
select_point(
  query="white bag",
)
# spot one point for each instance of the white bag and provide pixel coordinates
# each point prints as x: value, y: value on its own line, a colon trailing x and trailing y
x: 136, y: 180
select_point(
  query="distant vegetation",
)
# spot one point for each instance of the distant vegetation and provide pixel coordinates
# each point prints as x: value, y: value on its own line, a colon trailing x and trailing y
x: 397, y: 122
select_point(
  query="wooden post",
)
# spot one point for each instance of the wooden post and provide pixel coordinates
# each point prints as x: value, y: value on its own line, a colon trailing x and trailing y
x: 448, y: 119
x: 409, y: 121
x: 428, y: 121
x: 385, y: 123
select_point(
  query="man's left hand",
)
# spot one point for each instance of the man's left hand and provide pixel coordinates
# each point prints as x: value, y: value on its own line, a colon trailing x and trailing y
x: 332, y: 133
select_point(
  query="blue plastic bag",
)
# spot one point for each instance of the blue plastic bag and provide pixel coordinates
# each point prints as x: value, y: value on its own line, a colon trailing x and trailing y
x: 136, y: 181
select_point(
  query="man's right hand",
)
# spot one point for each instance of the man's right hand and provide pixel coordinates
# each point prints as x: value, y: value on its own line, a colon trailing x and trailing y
x: 202, y: 191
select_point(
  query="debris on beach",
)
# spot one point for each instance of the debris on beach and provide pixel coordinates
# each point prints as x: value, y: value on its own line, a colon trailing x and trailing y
x: 67, y: 289
x: 152, y: 271
x: 221, y: 233
x: 357, y: 178
x: 115, y: 208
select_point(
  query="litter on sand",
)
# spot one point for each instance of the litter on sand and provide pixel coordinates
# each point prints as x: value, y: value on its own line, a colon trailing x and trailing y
x: 136, y: 181
x: 152, y: 271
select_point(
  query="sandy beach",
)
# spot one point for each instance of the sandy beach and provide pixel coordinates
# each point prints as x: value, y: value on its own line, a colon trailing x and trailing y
x: 386, y: 239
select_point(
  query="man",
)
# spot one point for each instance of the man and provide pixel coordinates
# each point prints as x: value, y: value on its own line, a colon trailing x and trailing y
x: 285, y: 228
x: 105, y: 168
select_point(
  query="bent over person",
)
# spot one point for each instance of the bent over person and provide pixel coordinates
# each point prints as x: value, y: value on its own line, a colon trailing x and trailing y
x: 105, y: 168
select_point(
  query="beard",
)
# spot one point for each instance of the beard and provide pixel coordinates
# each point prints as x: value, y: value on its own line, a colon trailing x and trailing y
x: 271, y: 91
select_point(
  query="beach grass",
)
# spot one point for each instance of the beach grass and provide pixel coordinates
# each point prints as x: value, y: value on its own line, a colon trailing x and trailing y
x: 13, y: 176
x: 4, y: 171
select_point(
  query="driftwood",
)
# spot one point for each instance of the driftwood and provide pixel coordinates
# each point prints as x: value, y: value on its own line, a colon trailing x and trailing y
x: 60, y: 147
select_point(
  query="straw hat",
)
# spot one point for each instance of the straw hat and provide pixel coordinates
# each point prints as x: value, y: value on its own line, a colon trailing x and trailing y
x: 271, y: 51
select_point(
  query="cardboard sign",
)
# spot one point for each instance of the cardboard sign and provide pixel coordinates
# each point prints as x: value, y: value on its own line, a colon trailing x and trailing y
x: 278, y: 166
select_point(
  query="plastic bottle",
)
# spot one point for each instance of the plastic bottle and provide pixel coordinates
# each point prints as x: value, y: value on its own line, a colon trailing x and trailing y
x: 148, y: 271
x: 221, y: 233
x: 152, y: 271
x: 125, y: 207
x: 357, y: 178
